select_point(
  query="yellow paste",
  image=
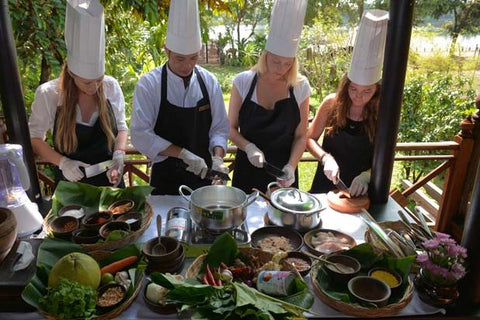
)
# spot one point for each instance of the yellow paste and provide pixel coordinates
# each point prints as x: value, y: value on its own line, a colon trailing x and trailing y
x: 386, y: 277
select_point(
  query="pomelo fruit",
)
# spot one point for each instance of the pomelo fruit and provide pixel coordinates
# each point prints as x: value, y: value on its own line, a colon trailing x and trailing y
x: 78, y: 267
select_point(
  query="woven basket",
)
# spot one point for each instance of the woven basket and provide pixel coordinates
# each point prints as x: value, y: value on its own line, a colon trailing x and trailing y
x: 112, y: 245
x: 356, y: 309
x: 98, y: 255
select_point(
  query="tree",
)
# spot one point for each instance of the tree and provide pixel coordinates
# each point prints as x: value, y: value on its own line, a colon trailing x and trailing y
x: 465, y: 14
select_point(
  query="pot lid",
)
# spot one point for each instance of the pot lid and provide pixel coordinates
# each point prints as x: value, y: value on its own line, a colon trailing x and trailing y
x: 295, y: 201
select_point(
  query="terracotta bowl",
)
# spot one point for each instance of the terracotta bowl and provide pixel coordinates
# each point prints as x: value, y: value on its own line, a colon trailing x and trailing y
x: 62, y: 227
x: 116, y: 287
x: 134, y: 219
x: 73, y: 210
x: 86, y: 236
x: 120, y: 207
x: 335, y: 275
x: 8, y: 232
x: 107, y: 228
x: 97, y: 219
x: 369, y: 290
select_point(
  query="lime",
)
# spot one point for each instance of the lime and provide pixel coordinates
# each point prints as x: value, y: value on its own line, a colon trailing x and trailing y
x: 107, y: 278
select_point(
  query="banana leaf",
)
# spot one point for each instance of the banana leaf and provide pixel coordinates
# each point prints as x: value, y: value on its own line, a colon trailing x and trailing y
x: 51, y: 250
x: 96, y: 198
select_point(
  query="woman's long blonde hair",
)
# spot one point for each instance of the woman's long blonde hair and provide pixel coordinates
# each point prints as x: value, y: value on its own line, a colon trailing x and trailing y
x: 292, y: 77
x: 339, y: 111
x: 65, y: 135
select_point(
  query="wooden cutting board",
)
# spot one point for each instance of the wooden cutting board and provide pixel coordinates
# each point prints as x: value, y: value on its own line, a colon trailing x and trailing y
x: 339, y: 202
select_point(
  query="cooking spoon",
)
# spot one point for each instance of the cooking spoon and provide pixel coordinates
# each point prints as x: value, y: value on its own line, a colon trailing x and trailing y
x: 159, y: 248
x: 339, y: 266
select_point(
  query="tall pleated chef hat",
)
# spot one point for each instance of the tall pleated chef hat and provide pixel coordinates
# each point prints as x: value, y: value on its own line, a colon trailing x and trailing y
x: 183, y: 32
x: 85, y: 38
x: 286, y: 23
x: 369, y: 49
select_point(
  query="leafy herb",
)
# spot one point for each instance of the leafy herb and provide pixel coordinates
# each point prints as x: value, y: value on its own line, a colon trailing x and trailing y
x: 224, y: 249
x: 69, y: 300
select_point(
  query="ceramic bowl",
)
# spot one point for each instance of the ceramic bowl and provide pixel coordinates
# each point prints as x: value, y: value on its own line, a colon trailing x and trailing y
x: 107, y: 228
x: 73, y: 210
x: 62, y: 227
x: 120, y: 207
x: 266, y: 234
x: 86, y: 236
x: 171, y: 245
x: 299, y: 261
x: 97, y: 219
x: 115, y: 290
x: 390, y: 277
x: 369, y: 290
x: 134, y: 219
x: 339, y: 277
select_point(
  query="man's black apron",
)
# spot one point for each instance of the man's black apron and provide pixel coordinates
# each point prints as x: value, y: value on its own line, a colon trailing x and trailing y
x: 352, y: 151
x: 187, y: 128
x: 272, y: 131
x: 92, y: 148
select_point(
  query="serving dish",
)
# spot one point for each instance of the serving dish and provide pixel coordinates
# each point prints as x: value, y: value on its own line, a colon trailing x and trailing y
x: 325, y: 241
x: 274, y: 239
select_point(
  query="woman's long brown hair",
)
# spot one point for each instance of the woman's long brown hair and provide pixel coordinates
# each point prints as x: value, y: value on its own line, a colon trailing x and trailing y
x: 65, y: 136
x: 339, y: 111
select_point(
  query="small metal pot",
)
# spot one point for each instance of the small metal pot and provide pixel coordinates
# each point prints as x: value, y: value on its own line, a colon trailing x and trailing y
x: 218, y: 208
x: 290, y: 207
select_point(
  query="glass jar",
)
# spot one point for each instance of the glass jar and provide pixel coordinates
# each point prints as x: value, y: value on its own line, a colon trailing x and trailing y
x: 435, y: 294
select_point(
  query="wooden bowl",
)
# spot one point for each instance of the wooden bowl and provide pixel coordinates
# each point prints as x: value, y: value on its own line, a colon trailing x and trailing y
x: 63, y: 227
x: 299, y: 261
x: 74, y: 210
x: 120, y: 207
x: 330, y: 241
x: 294, y: 238
x: 103, y: 290
x: 97, y: 219
x: 134, y: 219
x: 107, y: 228
x: 156, y: 307
x: 8, y: 232
x: 369, y: 290
x: 86, y: 236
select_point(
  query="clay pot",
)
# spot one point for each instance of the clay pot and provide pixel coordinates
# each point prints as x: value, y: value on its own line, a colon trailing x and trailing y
x: 8, y: 232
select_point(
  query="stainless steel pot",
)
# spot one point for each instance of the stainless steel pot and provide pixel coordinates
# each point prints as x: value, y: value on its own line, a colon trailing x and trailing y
x: 290, y: 207
x: 218, y: 208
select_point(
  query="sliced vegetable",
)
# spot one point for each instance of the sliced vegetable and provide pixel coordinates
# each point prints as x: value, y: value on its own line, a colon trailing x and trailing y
x: 119, y: 265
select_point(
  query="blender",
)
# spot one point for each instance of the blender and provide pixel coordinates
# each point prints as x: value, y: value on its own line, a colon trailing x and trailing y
x: 14, y: 181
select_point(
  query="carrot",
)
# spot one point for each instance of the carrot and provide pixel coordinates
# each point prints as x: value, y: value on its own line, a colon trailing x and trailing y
x: 119, y: 265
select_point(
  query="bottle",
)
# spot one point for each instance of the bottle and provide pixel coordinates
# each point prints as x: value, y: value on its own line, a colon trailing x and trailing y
x: 178, y: 223
x: 276, y: 283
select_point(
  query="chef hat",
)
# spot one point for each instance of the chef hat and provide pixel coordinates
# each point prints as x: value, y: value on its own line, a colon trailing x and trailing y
x: 85, y: 38
x: 183, y: 32
x: 369, y: 48
x: 286, y: 24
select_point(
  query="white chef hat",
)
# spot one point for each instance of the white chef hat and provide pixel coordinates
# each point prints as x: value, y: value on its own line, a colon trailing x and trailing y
x: 183, y: 32
x: 85, y: 38
x: 369, y: 48
x: 286, y: 23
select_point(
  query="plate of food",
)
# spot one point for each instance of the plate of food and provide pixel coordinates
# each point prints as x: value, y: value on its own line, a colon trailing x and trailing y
x: 71, y: 283
x: 276, y: 239
x: 324, y: 241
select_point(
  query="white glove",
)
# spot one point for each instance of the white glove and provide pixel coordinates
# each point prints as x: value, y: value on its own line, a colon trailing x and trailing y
x: 71, y: 169
x: 255, y: 155
x: 218, y: 165
x: 330, y: 167
x: 195, y: 164
x: 118, y: 159
x: 359, y: 184
x: 290, y: 176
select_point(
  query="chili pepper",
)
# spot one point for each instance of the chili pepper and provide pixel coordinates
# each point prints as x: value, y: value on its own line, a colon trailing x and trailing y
x: 219, y: 281
x: 204, y: 279
x: 210, y: 277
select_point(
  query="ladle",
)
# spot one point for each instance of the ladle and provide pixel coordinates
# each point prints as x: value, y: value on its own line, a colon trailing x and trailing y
x: 159, y: 248
x: 339, y: 266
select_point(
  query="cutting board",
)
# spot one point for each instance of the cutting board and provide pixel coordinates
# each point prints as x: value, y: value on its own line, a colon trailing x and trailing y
x: 339, y: 202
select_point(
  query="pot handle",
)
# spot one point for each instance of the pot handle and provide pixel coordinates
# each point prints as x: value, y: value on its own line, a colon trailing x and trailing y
x: 252, y: 197
x: 180, y: 190
x: 271, y: 185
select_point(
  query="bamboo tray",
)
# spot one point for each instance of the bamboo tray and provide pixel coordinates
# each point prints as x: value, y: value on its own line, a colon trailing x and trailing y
x: 111, y: 245
x: 357, y: 310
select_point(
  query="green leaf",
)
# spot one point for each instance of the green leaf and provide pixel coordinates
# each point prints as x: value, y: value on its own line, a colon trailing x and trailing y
x: 224, y: 249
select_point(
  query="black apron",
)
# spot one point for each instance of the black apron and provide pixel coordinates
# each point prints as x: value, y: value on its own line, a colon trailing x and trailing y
x: 272, y: 131
x: 92, y: 148
x: 187, y: 128
x: 352, y: 151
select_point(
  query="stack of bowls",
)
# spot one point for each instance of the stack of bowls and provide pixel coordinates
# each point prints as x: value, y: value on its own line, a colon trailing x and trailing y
x: 172, y: 260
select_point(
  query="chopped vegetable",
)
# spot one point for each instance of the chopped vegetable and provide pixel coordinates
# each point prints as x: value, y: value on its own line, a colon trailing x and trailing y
x: 119, y: 265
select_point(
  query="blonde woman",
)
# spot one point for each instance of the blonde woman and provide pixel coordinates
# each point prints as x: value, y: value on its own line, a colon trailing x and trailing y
x: 87, y: 121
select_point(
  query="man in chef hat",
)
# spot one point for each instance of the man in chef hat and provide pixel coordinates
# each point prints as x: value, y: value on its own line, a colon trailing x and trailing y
x: 84, y: 109
x: 348, y: 118
x: 269, y: 105
x: 179, y: 119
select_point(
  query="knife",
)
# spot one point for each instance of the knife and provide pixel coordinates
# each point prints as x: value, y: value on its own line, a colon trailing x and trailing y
x: 216, y: 175
x: 274, y: 171
x: 96, y: 169
x: 343, y: 188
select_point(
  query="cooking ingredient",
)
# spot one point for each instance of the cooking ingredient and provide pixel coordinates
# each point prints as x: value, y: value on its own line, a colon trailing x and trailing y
x: 122, y: 208
x: 386, y: 277
x: 115, y: 235
x: 232, y: 301
x: 107, y: 278
x: 156, y: 293
x: 69, y: 226
x: 78, y: 267
x: 276, y: 283
x: 69, y: 299
x: 275, y: 243
x: 74, y: 213
x: 331, y: 246
x: 123, y: 279
x: 119, y: 265
x: 111, y: 297
x: 299, y: 264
